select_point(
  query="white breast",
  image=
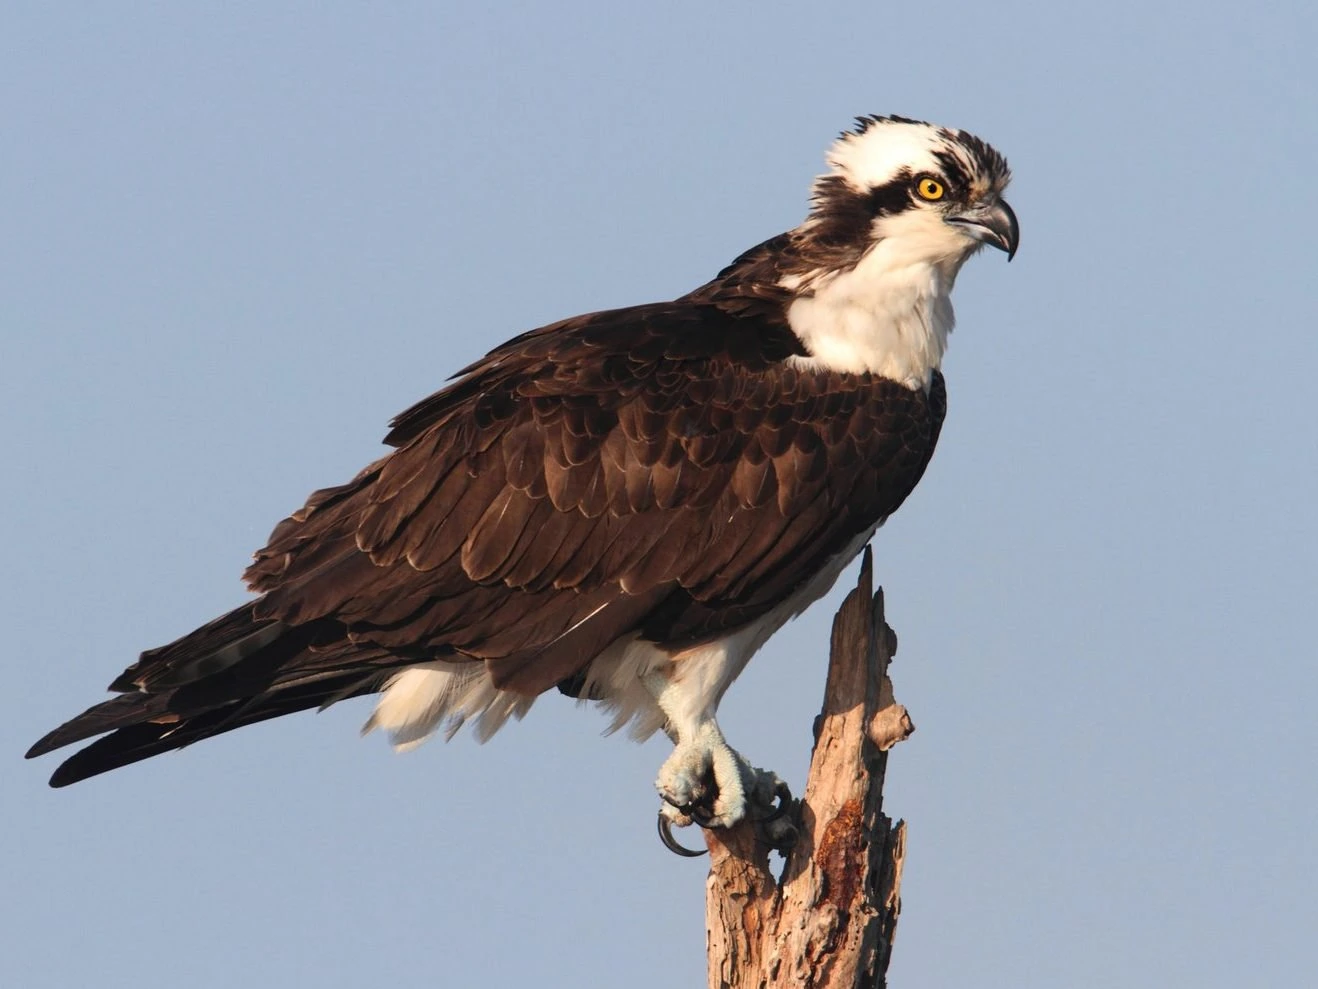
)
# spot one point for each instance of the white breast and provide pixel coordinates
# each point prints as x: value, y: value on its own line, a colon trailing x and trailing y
x: 878, y: 317
x: 891, y: 313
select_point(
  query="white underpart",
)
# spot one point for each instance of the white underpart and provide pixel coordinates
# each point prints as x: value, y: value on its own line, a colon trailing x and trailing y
x: 892, y: 313
x: 416, y: 701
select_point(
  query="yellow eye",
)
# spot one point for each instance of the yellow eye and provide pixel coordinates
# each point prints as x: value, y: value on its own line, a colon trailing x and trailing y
x: 930, y: 189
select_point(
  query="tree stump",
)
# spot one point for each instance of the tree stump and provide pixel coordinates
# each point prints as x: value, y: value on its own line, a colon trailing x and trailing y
x: 829, y: 921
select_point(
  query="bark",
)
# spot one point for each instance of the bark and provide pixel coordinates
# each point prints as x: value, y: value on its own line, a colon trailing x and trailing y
x: 828, y: 921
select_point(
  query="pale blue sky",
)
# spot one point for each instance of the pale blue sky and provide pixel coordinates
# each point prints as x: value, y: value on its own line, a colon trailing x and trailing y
x: 238, y: 238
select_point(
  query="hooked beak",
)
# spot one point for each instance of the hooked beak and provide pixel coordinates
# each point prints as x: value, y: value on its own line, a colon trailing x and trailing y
x: 992, y: 224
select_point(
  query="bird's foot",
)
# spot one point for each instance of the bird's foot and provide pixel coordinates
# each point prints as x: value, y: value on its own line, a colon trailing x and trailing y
x: 704, y: 781
x: 707, y: 782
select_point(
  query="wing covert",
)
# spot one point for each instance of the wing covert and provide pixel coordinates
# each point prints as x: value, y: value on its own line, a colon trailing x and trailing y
x: 658, y: 456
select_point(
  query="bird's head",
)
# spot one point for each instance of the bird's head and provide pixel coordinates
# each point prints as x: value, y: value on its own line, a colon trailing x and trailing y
x: 931, y: 194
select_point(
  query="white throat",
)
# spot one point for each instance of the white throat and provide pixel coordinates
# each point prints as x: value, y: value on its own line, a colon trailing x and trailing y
x: 889, y: 315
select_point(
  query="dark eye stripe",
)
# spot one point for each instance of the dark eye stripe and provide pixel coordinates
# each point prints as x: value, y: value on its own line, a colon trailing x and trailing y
x: 891, y: 197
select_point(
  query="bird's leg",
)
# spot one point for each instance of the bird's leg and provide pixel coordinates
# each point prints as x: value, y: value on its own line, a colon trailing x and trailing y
x: 705, y: 780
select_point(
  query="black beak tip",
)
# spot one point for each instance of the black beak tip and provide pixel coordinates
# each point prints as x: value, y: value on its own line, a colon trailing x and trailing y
x: 1012, y: 234
x: 995, y: 225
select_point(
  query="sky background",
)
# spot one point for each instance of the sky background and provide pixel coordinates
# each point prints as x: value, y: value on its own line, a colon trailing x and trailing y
x: 238, y: 238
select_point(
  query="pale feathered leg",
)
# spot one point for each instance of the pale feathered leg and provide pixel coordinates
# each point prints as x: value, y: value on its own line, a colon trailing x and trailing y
x: 705, y: 781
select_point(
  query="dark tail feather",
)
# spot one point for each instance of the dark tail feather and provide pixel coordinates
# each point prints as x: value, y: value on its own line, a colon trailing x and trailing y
x: 117, y: 712
x: 235, y: 671
x: 214, y: 647
x: 142, y: 740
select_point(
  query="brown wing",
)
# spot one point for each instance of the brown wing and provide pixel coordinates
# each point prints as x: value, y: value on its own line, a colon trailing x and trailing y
x: 663, y: 469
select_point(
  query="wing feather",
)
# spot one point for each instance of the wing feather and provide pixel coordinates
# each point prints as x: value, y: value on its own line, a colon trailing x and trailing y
x: 663, y: 470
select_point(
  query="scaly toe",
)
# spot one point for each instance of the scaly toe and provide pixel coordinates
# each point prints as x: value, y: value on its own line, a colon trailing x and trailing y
x: 685, y: 780
x: 765, y: 790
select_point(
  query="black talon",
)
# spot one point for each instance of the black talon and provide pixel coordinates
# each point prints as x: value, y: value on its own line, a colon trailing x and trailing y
x: 699, y: 815
x: 672, y: 844
x: 779, y: 827
x: 783, y: 803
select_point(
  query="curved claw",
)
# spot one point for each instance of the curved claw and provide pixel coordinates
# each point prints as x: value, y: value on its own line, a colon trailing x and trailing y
x: 697, y: 812
x: 672, y: 844
x: 698, y: 815
x: 783, y: 797
x: 780, y: 827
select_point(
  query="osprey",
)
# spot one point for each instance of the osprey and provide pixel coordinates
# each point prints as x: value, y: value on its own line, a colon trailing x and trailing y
x: 623, y: 505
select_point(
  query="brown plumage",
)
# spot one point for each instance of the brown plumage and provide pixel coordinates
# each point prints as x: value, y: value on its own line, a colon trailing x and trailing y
x: 662, y: 468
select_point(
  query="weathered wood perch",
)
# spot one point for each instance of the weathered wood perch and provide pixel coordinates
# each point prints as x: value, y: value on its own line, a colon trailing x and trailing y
x: 829, y: 922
